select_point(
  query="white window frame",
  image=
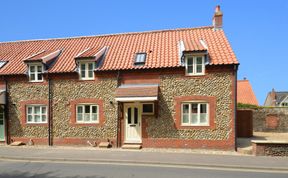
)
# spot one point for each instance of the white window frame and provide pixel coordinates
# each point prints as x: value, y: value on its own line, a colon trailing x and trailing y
x: 198, y: 113
x: 141, y: 56
x: 83, y: 114
x: 194, y: 61
x: 148, y: 113
x: 35, y: 65
x: 86, y: 70
x: 33, y: 114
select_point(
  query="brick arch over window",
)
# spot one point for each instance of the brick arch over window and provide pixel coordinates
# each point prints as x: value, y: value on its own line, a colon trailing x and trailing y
x: 211, y: 100
x: 74, y: 103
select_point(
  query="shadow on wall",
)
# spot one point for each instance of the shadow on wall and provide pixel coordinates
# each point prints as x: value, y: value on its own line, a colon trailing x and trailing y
x: 19, y: 174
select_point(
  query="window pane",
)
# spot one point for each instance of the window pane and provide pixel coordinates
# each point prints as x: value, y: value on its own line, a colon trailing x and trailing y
x: 185, y: 118
x: 194, y: 108
x: 194, y: 119
x: 79, y: 109
x: 94, y: 117
x: 90, y: 74
x: 29, y: 110
x: 129, y: 115
x: 83, y: 74
x: 203, y: 118
x: 39, y: 69
x: 43, y: 110
x: 199, y: 68
x: 135, y: 115
x: 87, y: 117
x: 37, y: 110
x: 87, y: 109
x: 190, y: 61
x: 32, y: 68
x: 203, y: 108
x: 29, y: 118
x: 32, y: 76
x: 43, y: 118
x: 79, y: 117
x: 194, y: 113
x: 190, y: 69
x: 39, y: 76
x: 83, y: 67
x: 90, y: 66
x: 94, y: 109
x: 185, y: 108
x: 148, y: 108
x: 199, y: 60
x: 37, y: 118
x: 140, y: 58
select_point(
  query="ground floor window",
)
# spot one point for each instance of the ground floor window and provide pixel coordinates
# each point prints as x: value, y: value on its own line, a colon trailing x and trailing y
x: 87, y: 113
x: 36, y: 114
x: 194, y: 114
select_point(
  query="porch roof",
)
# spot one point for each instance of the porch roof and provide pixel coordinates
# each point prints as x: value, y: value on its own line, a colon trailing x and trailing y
x: 148, y: 92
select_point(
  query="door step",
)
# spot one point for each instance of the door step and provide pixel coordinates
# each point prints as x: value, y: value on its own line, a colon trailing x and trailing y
x: 132, y: 146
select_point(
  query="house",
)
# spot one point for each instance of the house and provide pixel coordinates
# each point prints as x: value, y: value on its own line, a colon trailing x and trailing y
x: 169, y: 88
x: 277, y: 99
x: 245, y: 94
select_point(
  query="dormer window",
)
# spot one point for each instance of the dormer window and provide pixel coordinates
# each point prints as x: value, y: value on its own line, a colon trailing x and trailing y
x: 195, y: 65
x: 140, y: 59
x: 35, y: 72
x: 86, y: 70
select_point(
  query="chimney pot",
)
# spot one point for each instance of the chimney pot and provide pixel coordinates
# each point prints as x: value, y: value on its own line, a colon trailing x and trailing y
x: 218, y: 18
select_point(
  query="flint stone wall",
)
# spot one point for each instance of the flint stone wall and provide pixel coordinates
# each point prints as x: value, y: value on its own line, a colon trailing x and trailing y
x: 23, y: 91
x: 171, y: 86
x: 65, y: 91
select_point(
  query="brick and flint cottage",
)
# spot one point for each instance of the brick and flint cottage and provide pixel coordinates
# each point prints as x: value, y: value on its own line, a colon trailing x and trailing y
x: 169, y: 88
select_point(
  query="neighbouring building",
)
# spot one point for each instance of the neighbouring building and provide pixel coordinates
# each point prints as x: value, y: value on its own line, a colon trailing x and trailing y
x: 245, y: 93
x: 277, y: 99
x: 170, y: 88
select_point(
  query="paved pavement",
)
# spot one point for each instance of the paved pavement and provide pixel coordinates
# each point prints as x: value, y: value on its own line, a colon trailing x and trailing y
x: 149, y: 157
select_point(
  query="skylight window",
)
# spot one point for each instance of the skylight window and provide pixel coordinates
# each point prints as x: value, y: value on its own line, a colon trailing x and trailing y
x: 2, y: 63
x: 140, y: 59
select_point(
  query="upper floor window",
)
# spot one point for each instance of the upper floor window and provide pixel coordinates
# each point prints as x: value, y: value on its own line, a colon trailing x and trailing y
x: 140, y: 59
x: 35, y: 72
x: 194, y: 114
x: 36, y: 114
x: 195, y: 65
x: 87, y: 70
x: 284, y: 104
x: 87, y: 113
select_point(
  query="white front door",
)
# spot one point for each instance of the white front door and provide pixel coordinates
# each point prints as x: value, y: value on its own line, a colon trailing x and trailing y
x: 132, y: 117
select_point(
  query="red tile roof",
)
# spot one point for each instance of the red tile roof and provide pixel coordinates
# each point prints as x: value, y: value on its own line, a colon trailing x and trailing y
x: 245, y: 93
x: 161, y: 48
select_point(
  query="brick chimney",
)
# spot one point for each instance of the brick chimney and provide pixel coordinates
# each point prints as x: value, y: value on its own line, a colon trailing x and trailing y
x: 218, y: 18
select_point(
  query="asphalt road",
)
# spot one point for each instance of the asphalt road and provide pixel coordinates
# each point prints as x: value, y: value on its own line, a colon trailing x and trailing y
x: 27, y: 169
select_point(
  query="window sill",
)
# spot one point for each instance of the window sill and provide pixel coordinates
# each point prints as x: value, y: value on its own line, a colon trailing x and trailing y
x: 90, y: 79
x: 194, y: 75
x: 85, y: 124
x: 40, y: 81
x: 195, y: 127
x: 36, y: 124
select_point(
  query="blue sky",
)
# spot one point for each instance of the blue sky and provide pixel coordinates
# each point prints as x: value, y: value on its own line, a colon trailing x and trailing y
x: 257, y: 29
